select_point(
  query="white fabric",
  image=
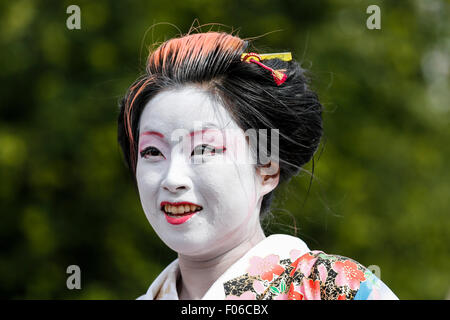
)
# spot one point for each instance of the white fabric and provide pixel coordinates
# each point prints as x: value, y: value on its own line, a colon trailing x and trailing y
x: 165, y: 285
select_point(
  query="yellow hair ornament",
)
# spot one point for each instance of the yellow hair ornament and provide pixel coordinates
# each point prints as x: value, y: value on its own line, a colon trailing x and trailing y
x: 278, y: 75
x: 285, y: 56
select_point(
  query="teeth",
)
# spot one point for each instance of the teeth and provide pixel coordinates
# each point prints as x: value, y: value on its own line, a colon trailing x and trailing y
x: 181, y: 209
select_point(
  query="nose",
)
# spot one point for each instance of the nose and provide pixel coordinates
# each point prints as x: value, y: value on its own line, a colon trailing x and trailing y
x: 177, y: 177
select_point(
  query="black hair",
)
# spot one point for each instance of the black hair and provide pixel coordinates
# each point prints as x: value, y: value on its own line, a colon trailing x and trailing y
x: 246, y: 90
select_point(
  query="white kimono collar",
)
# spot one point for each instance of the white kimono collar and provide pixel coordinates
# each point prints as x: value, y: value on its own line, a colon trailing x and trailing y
x: 165, y: 285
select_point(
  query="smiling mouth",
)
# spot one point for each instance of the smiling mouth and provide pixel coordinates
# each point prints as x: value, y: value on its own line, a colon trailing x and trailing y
x: 180, y: 209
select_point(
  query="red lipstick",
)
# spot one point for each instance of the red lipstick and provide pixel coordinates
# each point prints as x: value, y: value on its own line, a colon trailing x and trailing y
x: 179, y: 218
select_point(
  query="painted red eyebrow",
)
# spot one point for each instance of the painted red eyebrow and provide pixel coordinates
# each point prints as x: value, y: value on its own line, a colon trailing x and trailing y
x: 201, y: 131
x: 148, y: 133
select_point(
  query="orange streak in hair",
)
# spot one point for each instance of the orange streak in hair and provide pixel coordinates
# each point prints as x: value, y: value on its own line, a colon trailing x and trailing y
x: 192, y: 47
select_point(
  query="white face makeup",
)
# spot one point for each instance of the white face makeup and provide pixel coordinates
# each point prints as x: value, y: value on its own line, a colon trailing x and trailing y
x: 229, y: 193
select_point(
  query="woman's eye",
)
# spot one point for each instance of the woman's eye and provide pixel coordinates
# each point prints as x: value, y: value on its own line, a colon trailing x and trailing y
x: 206, y: 149
x: 150, y: 152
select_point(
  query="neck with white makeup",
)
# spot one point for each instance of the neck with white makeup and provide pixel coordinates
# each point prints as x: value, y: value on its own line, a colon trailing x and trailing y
x: 199, y: 274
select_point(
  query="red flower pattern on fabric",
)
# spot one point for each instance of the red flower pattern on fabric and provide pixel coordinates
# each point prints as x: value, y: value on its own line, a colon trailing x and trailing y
x: 294, y: 294
x: 265, y: 267
x: 308, y: 273
x: 310, y: 289
x: 304, y: 264
x: 348, y: 274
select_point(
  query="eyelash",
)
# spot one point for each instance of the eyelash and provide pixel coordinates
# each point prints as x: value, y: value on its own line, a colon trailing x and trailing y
x: 148, y: 150
x: 144, y: 153
x: 212, y: 149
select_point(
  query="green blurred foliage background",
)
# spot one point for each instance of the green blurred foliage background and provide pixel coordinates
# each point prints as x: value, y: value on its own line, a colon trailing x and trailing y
x: 381, y: 188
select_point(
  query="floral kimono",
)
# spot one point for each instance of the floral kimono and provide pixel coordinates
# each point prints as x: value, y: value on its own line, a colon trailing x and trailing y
x: 281, y: 267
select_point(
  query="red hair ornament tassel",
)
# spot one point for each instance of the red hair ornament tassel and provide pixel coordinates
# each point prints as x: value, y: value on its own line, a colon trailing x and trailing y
x: 278, y: 75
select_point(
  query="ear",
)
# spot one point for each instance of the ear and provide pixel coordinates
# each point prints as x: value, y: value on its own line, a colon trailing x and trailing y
x: 270, y: 176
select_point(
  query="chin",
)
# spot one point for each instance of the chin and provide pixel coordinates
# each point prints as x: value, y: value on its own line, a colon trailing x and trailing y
x: 189, y: 248
x: 186, y: 242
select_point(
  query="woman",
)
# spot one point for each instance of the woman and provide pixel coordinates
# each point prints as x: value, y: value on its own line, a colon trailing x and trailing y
x: 187, y: 130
